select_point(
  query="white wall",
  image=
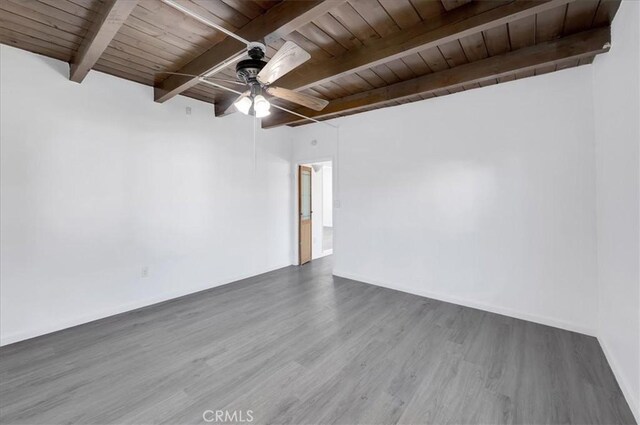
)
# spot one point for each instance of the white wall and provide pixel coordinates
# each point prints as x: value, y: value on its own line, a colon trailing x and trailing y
x: 484, y: 198
x: 327, y: 196
x: 617, y: 114
x: 99, y: 182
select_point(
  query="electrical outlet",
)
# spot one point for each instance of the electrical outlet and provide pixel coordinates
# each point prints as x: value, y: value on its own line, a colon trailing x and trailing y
x: 188, y: 110
x: 145, y: 272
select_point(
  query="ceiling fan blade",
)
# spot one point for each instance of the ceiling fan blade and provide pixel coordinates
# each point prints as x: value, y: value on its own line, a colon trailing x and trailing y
x: 311, y: 102
x: 302, y: 116
x: 225, y: 80
x: 219, y: 86
x: 289, y: 57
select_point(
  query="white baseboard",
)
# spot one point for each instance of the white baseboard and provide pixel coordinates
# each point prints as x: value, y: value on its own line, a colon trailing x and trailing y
x: 549, y: 321
x: 634, y: 403
x: 11, y: 338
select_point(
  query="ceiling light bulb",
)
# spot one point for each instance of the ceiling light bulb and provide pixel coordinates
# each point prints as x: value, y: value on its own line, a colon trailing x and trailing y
x: 262, y: 114
x: 243, y: 105
x: 261, y: 105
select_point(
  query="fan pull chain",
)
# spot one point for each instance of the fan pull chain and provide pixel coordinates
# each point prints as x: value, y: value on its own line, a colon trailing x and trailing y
x: 255, y: 153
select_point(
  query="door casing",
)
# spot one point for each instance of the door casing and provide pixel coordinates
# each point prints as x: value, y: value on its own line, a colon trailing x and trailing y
x: 295, y: 202
x: 304, y: 225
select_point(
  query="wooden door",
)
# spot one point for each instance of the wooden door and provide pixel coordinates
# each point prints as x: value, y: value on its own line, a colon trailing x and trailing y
x: 304, y: 207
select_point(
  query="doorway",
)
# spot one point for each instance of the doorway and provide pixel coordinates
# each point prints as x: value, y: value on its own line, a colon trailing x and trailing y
x: 315, y: 210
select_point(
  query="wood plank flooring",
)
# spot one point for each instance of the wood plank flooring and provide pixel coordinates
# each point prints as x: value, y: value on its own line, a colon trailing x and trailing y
x: 299, y: 346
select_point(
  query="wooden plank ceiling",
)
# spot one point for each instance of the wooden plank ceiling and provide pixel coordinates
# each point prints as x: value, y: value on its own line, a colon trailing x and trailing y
x: 365, y: 54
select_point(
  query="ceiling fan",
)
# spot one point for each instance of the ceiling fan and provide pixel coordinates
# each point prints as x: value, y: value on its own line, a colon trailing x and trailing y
x: 257, y: 75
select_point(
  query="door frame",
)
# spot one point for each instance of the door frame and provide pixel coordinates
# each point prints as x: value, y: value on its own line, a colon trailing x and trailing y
x: 295, y: 166
x: 310, y: 171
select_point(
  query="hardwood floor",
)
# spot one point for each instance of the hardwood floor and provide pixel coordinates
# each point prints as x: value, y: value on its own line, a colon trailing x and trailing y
x: 299, y: 346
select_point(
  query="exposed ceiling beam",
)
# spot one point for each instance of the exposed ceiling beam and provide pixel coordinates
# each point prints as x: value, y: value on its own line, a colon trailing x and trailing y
x: 108, y: 22
x: 460, y: 22
x: 577, y: 46
x: 277, y: 22
x: 466, y: 20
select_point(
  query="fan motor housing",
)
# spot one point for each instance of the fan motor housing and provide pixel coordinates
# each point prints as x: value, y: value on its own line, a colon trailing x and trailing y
x: 247, y: 70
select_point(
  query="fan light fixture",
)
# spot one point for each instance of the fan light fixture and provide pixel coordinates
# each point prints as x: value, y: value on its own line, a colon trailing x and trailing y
x: 261, y: 106
x: 243, y: 104
x: 253, y: 105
